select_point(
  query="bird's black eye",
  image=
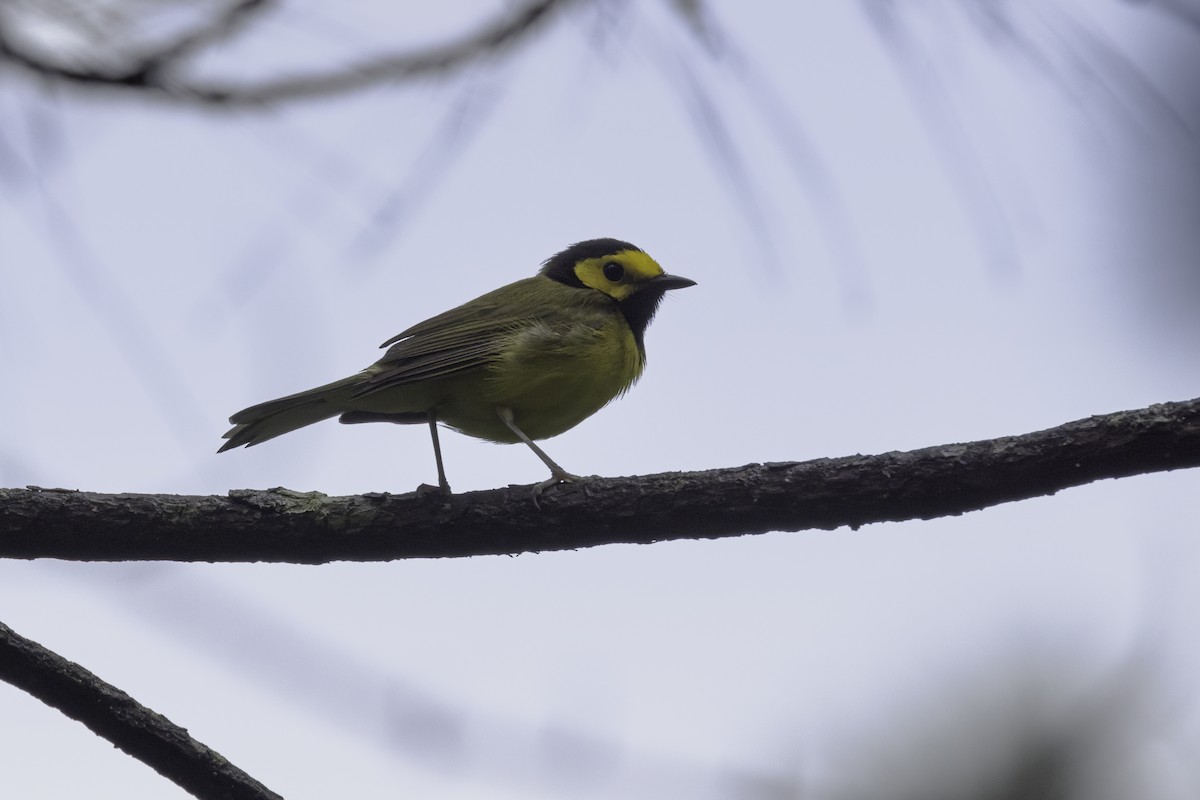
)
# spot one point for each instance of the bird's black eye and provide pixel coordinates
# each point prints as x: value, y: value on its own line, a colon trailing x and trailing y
x: 614, y: 271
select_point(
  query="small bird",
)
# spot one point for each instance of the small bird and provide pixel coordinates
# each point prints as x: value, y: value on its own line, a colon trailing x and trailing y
x: 524, y: 362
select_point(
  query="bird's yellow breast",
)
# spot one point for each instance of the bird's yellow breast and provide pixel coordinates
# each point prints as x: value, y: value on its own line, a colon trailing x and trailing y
x: 551, y: 375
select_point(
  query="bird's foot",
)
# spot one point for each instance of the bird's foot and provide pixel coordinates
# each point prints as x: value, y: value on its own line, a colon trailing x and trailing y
x: 556, y: 477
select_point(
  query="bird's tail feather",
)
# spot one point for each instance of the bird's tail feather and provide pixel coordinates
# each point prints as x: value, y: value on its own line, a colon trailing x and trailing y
x: 264, y: 421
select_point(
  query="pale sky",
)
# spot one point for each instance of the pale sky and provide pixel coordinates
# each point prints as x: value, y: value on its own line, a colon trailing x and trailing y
x: 950, y: 233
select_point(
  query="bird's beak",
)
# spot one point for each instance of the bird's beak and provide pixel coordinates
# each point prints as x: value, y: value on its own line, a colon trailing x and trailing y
x: 666, y: 281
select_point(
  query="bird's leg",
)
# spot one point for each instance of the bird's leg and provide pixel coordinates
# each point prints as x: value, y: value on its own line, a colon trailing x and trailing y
x: 405, y: 418
x: 557, y: 473
x: 437, y: 453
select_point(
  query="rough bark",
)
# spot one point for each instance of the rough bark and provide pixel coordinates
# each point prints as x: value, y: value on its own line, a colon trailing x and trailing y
x: 285, y: 526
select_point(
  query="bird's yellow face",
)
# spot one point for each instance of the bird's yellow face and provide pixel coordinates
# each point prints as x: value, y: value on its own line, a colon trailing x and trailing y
x: 621, y: 272
x: 618, y: 275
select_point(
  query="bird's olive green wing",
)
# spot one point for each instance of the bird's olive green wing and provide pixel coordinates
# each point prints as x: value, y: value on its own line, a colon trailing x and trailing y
x: 462, y: 339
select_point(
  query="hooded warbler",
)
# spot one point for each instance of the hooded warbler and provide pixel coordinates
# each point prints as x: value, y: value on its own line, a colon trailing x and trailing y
x: 527, y: 361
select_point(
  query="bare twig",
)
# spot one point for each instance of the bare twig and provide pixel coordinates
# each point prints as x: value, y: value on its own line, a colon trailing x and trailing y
x: 222, y: 26
x: 110, y: 713
x: 930, y: 93
x: 151, y: 75
x: 284, y: 526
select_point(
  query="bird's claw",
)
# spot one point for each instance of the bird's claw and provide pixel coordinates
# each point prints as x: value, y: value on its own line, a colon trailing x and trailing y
x: 556, y: 477
x: 428, y: 489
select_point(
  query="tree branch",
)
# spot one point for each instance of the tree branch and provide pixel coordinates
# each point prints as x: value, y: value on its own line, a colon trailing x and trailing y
x: 155, y: 72
x: 225, y: 24
x: 285, y: 526
x: 110, y: 713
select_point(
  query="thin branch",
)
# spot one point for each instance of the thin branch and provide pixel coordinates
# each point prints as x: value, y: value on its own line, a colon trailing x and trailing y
x: 714, y: 132
x: 150, y: 74
x: 310, y: 528
x: 110, y: 713
x: 224, y: 25
x: 930, y: 93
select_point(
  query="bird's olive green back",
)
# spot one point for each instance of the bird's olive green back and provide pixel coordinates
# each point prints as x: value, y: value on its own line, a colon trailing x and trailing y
x: 477, y: 333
